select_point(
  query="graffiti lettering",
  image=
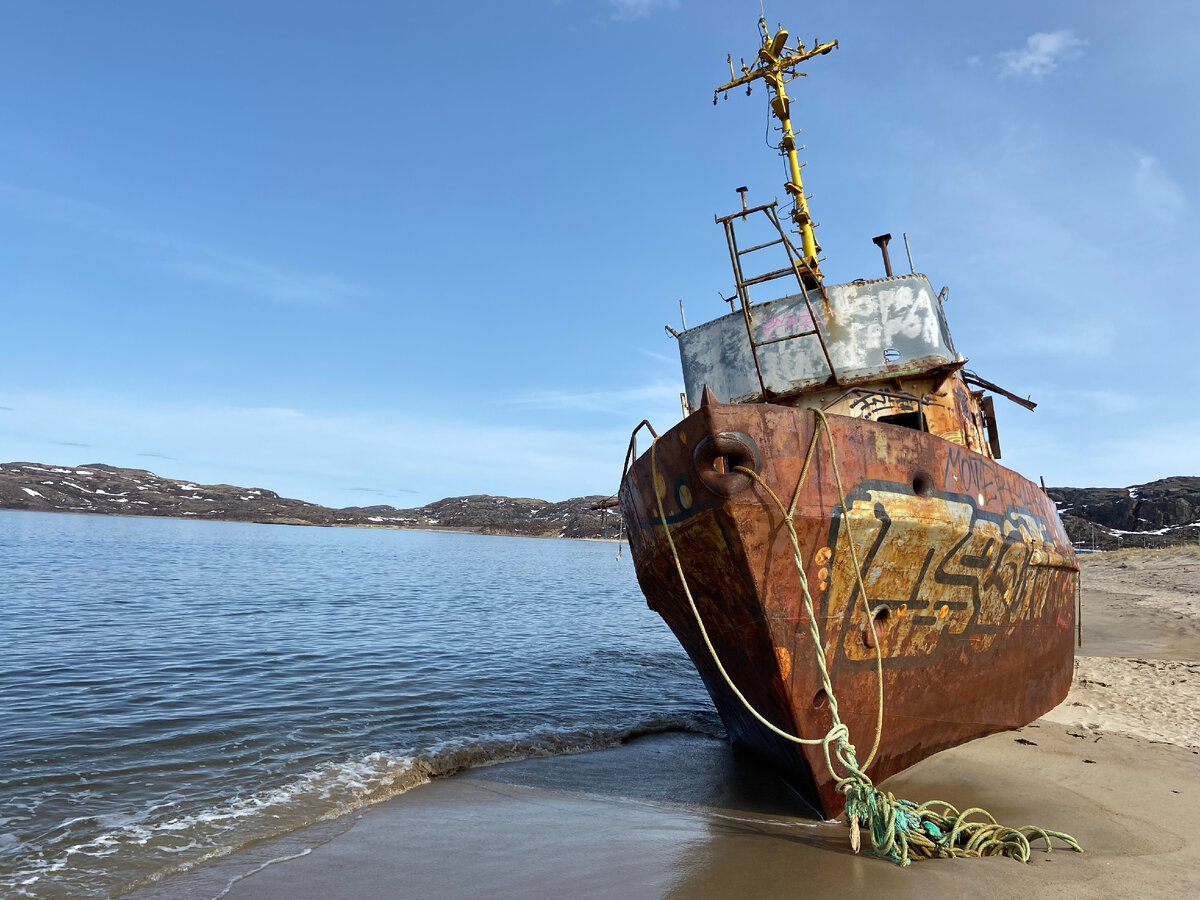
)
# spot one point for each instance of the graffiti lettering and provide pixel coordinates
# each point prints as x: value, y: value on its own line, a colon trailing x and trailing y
x: 936, y: 577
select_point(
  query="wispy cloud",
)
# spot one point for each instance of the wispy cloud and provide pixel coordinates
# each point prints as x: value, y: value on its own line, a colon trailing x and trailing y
x: 157, y: 455
x: 1072, y: 400
x: 1113, y: 458
x: 628, y: 402
x: 1041, y: 55
x: 661, y: 357
x: 260, y: 280
x: 379, y: 492
x: 182, y: 256
x: 1156, y: 194
x: 320, y: 457
x: 631, y: 10
x: 1070, y: 338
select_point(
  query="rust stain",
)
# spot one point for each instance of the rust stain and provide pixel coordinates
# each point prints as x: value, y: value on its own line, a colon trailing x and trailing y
x: 784, y: 658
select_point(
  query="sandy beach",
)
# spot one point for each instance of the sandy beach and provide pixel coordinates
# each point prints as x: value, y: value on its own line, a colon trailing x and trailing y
x: 1117, y: 765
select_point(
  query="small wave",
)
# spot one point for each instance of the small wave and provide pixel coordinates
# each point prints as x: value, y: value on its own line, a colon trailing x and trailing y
x: 136, y: 853
x: 145, y: 851
x: 452, y: 756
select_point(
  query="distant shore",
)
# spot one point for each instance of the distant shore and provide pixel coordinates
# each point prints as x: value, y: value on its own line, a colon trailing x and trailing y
x: 1163, y: 513
x: 109, y: 490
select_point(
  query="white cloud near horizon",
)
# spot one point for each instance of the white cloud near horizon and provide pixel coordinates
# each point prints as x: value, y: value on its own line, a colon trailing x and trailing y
x: 319, y: 457
x: 184, y: 257
x: 1122, y: 458
x: 1041, y: 55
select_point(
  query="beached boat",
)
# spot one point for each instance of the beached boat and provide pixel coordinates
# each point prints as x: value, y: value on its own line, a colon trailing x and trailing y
x: 830, y: 516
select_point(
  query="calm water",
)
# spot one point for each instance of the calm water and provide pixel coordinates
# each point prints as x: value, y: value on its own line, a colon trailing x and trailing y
x: 170, y: 690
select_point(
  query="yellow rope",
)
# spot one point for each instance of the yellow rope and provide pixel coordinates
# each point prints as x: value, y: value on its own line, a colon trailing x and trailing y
x: 899, y: 829
x: 789, y: 522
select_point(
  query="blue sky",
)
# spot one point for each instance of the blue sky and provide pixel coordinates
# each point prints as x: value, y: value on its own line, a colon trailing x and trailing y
x: 382, y: 253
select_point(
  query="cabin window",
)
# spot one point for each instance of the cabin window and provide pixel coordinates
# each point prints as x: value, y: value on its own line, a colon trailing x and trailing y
x: 914, y: 420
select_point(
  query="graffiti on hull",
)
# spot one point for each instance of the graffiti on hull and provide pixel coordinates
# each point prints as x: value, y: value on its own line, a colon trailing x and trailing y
x: 940, y: 571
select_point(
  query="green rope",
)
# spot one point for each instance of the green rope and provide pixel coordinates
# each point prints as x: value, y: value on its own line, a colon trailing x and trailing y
x: 900, y: 830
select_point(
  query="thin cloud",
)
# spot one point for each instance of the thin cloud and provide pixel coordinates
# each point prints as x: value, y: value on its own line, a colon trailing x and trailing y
x: 1041, y: 55
x: 627, y: 402
x: 310, y: 454
x: 70, y: 444
x: 1074, y: 400
x: 265, y: 281
x: 661, y: 357
x: 1156, y: 194
x: 184, y: 257
x: 632, y: 10
x: 1082, y: 340
x: 1135, y: 456
x: 158, y: 456
x: 382, y: 493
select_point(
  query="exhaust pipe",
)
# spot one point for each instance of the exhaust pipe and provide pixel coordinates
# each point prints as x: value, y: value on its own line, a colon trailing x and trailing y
x: 881, y: 242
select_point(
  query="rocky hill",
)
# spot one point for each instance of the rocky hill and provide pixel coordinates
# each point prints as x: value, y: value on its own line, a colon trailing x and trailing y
x: 100, y: 488
x: 1158, y: 514
x: 485, y: 514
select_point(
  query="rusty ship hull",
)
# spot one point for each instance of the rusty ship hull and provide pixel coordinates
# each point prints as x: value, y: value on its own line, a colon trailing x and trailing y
x: 970, y: 583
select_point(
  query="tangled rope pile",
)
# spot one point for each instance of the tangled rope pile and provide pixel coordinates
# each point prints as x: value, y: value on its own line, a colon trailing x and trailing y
x: 900, y: 830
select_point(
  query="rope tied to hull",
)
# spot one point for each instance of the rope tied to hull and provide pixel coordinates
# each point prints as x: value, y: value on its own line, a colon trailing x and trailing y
x: 899, y: 830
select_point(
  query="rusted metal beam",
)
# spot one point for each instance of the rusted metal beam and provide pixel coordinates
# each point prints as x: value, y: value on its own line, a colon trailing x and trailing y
x: 972, y: 378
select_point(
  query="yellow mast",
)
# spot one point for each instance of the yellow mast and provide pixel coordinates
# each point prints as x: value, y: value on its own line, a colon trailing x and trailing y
x: 776, y: 65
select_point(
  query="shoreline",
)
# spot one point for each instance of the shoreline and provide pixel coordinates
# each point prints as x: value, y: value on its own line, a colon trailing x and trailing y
x: 677, y: 815
x: 434, y: 529
x: 632, y: 821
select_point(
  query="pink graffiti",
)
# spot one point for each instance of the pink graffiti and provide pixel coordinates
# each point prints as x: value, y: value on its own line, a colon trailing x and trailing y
x: 789, y: 322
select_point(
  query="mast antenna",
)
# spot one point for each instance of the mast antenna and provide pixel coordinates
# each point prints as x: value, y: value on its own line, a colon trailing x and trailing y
x: 776, y: 65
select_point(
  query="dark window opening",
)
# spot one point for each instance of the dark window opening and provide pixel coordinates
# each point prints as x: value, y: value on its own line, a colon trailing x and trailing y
x: 914, y: 420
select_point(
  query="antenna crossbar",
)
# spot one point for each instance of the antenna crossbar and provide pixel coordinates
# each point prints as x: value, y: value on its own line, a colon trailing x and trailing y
x: 776, y: 65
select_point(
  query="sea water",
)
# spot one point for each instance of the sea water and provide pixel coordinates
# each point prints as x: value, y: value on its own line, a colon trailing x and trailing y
x: 173, y: 690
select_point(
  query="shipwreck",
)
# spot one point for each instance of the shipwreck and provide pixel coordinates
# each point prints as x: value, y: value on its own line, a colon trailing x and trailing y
x: 828, y: 531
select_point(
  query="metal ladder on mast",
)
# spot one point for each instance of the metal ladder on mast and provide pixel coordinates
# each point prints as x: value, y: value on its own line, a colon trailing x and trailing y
x: 798, y: 268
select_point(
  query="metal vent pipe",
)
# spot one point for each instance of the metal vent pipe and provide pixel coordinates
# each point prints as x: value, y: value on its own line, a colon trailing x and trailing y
x: 881, y: 242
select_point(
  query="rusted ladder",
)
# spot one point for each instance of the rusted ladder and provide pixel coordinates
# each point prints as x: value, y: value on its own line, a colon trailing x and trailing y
x: 797, y: 269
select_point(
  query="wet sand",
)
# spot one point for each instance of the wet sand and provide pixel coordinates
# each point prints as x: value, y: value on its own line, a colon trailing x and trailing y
x: 675, y: 815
